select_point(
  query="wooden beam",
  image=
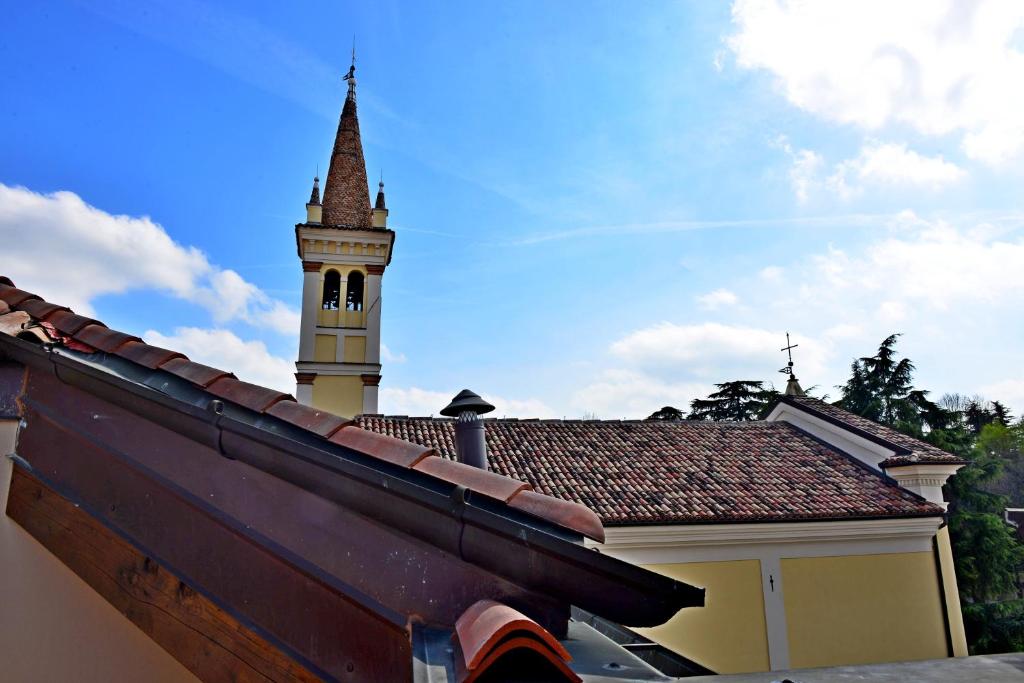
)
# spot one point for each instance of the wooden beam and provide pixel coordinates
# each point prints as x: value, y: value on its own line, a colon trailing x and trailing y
x: 208, y: 641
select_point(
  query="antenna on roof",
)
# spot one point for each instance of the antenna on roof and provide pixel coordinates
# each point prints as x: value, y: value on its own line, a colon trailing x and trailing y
x: 792, y: 385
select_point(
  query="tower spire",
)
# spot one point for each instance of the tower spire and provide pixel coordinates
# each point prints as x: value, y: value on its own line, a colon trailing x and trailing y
x: 346, y: 193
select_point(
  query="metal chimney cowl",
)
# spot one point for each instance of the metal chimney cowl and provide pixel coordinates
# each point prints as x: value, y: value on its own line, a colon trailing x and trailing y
x: 470, y: 437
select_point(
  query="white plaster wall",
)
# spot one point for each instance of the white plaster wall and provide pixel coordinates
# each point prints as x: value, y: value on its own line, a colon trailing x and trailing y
x: 53, y: 626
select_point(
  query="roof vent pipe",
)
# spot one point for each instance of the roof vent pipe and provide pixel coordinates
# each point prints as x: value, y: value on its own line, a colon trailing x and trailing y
x: 470, y: 442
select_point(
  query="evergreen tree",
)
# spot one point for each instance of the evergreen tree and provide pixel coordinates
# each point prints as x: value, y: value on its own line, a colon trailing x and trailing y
x: 667, y: 414
x: 988, y: 557
x: 734, y: 402
x: 881, y: 388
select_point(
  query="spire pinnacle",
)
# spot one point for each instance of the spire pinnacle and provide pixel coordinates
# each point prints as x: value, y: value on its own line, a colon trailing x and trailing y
x: 379, y: 204
x: 351, y: 75
x: 314, y: 197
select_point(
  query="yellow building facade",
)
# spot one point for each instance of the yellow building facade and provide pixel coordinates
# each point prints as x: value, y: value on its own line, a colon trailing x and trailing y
x: 799, y: 595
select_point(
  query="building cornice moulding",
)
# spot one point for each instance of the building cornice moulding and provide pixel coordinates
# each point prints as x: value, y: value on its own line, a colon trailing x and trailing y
x: 641, y: 537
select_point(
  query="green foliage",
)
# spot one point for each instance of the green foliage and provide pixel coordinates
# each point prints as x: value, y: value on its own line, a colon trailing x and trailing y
x: 988, y: 556
x: 734, y: 402
x: 667, y: 414
x: 995, y: 626
x: 881, y: 388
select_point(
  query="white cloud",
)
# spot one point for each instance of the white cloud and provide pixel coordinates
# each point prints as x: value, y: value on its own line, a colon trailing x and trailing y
x: 711, y: 351
x: 719, y: 298
x: 249, y: 360
x: 892, y: 164
x: 771, y: 274
x: 420, y: 402
x: 71, y: 252
x: 670, y: 364
x: 938, y: 67
x: 805, y: 170
x: 1008, y: 391
x: 877, y: 165
x: 931, y: 263
x: 621, y: 393
x: 843, y: 331
x: 388, y: 356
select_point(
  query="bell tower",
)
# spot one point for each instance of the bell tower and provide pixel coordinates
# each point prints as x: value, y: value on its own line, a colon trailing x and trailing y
x: 344, y: 246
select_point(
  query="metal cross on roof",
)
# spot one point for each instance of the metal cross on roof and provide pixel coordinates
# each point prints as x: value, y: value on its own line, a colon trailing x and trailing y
x: 788, y: 348
x: 352, y: 69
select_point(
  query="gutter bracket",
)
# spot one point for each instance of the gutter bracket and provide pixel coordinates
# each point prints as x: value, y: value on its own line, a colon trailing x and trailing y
x: 459, y: 496
x: 216, y: 408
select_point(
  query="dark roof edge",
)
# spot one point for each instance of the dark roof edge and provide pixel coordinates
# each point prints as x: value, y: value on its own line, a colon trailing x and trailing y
x: 517, y: 546
x: 874, y: 438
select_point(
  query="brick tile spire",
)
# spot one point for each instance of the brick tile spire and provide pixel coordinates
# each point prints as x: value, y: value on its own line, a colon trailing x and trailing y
x: 346, y: 193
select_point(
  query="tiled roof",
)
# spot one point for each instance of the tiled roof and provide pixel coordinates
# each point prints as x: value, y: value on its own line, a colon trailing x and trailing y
x: 638, y: 472
x: 88, y: 335
x: 908, y: 449
x: 346, y: 193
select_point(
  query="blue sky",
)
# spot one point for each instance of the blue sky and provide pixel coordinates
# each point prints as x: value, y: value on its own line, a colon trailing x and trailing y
x: 601, y: 208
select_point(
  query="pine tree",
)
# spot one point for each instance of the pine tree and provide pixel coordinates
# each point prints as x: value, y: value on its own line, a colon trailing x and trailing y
x: 734, y: 402
x: 667, y: 414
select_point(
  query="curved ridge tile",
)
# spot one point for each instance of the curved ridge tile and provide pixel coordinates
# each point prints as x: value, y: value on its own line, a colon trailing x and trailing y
x: 39, y: 309
x: 565, y: 513
x: 13, y: 296
x: 67, y: 322
x: 251, y: 396
x: 518, y: 645
x: 103, y: 338
x: 475, y: 479
x: 397, y: 451
x: 150, y: 356
x: 486, y: 623
x: 319, y: 422
x: 197, y: 373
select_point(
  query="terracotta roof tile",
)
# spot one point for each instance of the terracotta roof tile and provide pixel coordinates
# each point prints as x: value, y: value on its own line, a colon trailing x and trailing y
x: 103, y: 338
x: 566, y: 513
x: 475, y: 479
x: 346, y: 193
x: 381, y: 446
x: 144, y: 354
x: 317, y: 421
x: 13, y: 296
x: 251, y: 396
x: 39, y: 309
x: 488, y: 629
x: 197, y: 373
x: 69, y: 323
x: 676, y: 472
